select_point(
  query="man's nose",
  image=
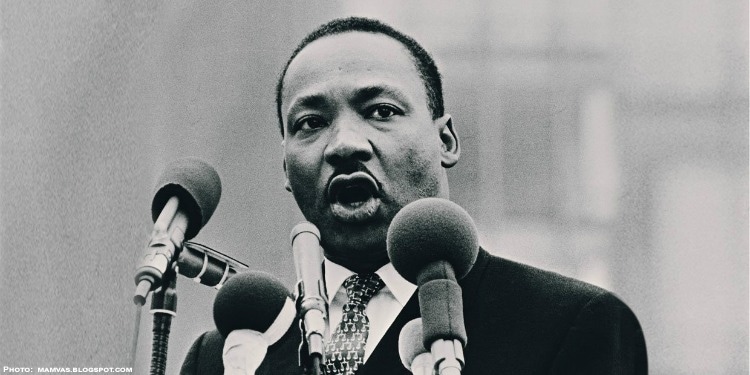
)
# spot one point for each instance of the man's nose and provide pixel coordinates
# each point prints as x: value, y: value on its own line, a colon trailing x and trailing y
x: 348, y: 142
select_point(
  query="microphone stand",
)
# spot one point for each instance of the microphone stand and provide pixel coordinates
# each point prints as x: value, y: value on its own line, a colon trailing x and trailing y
x: 449, y: 357
x: 311, y: 301
x: 311, y: 361
x: 164, y: 308
x: 198, y: 262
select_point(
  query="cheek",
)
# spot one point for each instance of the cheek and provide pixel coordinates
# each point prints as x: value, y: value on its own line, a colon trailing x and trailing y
x: 304, y: 165
x: 421, y: 175
x: 301, y: 173
x: 300, y: 160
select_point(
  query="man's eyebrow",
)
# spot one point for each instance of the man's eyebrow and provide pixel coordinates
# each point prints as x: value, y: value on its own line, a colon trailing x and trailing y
x: 361, y: 95
x: 314, y: 101
x: 364, y: 94
x: 309, y: 101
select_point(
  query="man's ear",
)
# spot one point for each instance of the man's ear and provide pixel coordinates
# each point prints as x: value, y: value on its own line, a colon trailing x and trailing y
x: 449, y: 139
x: 287, y: 185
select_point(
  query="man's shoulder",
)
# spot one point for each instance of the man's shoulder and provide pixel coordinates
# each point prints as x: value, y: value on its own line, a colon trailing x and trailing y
x: 546, y: 322
x: 205, y: 355
x: 499, y: 280
x: 524, y: 275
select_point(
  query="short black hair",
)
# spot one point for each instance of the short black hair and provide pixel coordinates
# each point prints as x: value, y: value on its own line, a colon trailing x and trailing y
x: 424, y: 63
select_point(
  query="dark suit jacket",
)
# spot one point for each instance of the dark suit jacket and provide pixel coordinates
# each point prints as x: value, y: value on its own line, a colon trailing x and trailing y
x: 519, y: 320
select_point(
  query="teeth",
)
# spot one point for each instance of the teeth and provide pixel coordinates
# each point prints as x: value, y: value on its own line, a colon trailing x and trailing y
x: 352, y: 195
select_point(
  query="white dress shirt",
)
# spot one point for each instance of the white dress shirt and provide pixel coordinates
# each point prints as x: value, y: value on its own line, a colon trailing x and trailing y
x: 382, y: 309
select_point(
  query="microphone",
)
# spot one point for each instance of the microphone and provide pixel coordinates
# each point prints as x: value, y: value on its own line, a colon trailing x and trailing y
x: 414, y: 356
x: 186, y: 196
x: 252, y: 311
x: 433, y: 242
x: 312, y: 298
x: 207, y: 266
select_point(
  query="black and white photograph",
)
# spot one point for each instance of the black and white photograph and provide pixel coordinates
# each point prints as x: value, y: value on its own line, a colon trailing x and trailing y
x: 374, y: 187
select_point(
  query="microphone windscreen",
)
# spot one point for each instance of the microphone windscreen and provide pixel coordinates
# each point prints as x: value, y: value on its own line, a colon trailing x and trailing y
x: 249, y: 300
x: 198, y: 187
x: 410, y: 342
x: 430, y: 230
x: 442, y: 309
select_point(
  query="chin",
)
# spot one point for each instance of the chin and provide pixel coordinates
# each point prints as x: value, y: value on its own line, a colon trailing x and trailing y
x: 356, y: 246
x: 355, y: 238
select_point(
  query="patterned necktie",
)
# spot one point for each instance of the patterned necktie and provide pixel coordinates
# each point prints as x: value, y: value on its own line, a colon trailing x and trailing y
x: 346, y: 348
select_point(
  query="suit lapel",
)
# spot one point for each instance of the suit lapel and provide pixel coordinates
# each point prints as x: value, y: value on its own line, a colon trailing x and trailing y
x: 385, y: 358
x: 470, y: 283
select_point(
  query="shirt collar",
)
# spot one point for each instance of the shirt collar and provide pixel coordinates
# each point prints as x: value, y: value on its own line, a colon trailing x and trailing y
x: 336, y: 274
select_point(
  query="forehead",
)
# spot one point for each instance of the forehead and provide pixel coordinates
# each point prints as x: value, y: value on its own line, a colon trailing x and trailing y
x: 350, y: 60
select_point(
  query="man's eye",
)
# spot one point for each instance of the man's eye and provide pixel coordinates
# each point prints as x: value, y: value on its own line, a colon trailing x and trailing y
x: 384, y: 112
x: 310, y: 122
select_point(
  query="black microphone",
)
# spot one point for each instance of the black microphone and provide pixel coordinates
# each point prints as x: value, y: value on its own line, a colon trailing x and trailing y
x: 433, y: 242
x: 186, y: 196
x: 312, y: 299
x: 207, y: 266
x: 252, y: 311
x: 414, y: 356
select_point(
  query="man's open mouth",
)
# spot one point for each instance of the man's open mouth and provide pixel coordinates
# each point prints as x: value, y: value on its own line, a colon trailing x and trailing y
x: 353, y: 197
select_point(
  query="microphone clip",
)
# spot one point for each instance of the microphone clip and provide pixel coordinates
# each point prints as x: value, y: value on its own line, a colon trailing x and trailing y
x: 157, y: 260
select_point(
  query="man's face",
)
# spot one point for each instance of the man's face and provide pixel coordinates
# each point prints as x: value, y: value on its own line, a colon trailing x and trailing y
x: 360, y: 142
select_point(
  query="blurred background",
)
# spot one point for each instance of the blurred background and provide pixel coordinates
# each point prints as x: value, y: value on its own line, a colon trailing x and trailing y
x: 604, y: 140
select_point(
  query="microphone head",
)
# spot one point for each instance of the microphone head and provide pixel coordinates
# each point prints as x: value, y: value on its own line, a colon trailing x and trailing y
x: 249, y: 300
x: 198, y: 187
x: 410, y: 342
x: 305, y: 227
x: 430, y: 230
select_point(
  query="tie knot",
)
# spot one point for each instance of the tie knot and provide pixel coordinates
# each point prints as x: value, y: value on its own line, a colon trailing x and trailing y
x: 361, y: 287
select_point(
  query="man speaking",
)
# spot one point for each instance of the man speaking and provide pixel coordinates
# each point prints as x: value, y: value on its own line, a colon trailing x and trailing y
x: 360, y: 108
